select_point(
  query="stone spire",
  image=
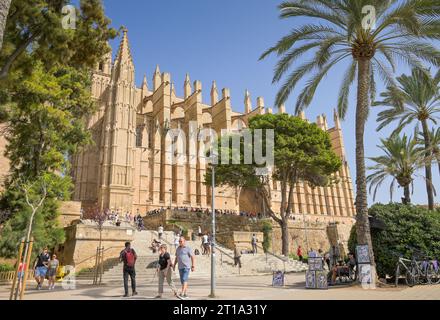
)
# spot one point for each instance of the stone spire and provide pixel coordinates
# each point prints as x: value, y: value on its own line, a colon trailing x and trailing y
x: 187, y: 90
x: 157, y: 78
x: 302, y: 115
x: 214, y: 94
x: 269, y: 110
x: 124, y: 53
x: 247, y: 102
x: 260, y: 104
x: 282, y: 108
x: 124, y: 66
x: 144, y: 84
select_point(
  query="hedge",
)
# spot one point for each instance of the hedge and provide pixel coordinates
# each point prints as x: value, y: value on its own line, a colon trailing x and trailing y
x: 407, y: 227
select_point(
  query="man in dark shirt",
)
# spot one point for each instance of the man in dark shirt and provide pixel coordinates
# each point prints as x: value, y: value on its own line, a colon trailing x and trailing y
x: 164, y: 270
x: 40, y: 267
x: 128, y: 256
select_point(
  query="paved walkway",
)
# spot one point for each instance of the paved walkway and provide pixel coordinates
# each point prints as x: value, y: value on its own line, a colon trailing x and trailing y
x: 237, y: 288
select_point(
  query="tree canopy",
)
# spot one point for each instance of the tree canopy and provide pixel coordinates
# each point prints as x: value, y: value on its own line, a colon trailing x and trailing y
x: 302, y: 152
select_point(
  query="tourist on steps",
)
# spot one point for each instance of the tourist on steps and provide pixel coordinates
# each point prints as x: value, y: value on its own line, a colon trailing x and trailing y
x: 129, y: 256
x: 164, y: 271
x: 186, y: 263
x: 299, y: 253
x: 160, y: 232
x: 237, y: 257
x: 254, y: 244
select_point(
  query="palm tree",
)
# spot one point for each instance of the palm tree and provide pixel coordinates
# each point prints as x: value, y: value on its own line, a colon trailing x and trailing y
x: 401, y: 160
x: 415, y: 100
x: 401, y: 31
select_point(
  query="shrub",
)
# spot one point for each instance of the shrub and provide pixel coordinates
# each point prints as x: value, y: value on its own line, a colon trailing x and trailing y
x: 4, y: 267
x: 406, y: 227
x: 266, y: 229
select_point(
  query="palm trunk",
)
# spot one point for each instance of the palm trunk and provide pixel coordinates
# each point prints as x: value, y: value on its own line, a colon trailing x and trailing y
x: 428, y: 170
x: 362, y: 223
x: 4, y: 10
x: 407, y: 197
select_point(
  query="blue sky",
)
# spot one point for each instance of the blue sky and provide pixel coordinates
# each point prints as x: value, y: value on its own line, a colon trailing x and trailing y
x: 222, y: 41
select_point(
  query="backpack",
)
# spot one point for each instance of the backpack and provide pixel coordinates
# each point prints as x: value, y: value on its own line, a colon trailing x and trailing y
x: 130, y: 258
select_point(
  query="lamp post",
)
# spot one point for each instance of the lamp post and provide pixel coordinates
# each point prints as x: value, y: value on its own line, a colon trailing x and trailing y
x: 212, y: 295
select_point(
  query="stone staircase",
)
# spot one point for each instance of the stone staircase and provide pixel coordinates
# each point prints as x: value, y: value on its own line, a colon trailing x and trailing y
x: 145, y: 265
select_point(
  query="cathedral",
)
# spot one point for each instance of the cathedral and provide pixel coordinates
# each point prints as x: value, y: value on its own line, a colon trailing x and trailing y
x: 125, y: 167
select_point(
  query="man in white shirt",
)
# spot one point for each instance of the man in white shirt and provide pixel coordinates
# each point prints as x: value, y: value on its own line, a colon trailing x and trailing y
x: 160, y: 232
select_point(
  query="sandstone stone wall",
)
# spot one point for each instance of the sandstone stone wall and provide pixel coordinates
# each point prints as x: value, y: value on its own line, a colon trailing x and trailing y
x: 70, y: 212
x: 314, y: 235
x: 82, y: 240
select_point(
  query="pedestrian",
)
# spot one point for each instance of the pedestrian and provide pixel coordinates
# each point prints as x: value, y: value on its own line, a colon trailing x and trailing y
x: 200, y: 231
x: 164, y: 270
x: 237, y: 256
x: 176, y: 241
x: 52, y: 271
x: 254, y: 244
x: 160, y: 231
x: 205, y: 243
x: 20, y: 275
x: 299, y: 253
x: 128, y: 256
x: 40, y: 267
x: 186, y: 263
x: 327, y: 260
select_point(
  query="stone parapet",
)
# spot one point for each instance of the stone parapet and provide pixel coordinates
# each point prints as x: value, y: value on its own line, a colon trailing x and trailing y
x: 79, y: 250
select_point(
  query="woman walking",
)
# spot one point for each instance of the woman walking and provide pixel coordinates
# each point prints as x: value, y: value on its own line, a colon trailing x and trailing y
x: 164, y: 270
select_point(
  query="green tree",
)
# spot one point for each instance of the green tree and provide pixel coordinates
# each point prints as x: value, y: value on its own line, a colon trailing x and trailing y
x: 401, y: 159
x: 415, y: 100
x: 46, y: 228
x: 401, y: 30
x: 302, y: 152
x: 35, y: 31
x: 45, y: 102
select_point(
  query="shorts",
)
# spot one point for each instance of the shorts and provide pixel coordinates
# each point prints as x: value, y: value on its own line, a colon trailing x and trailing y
x: 20, y: 274
x: 184, y: 275
x: 51, y: 272
x: 40, y: 271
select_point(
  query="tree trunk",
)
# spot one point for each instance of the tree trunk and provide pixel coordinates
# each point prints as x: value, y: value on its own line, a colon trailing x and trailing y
x: 4, y: 10
x: 428, y: 170
x: 285, y: 237
x: 407, y: 197
x: 362, y: 223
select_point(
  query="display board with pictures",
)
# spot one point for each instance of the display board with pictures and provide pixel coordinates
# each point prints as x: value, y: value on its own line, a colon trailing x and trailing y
x: 310, y: 279
x: 362, y: 254
x: 278, y: 279
x: 321, y: 280
x: 365, y: 274
x: 315, y: 264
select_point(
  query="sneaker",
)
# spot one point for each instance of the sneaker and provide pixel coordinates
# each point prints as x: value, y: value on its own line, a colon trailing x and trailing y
x: 185, y: 296
x: 126, y: 295
x: 158, y: 296
x: 135, y: 293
